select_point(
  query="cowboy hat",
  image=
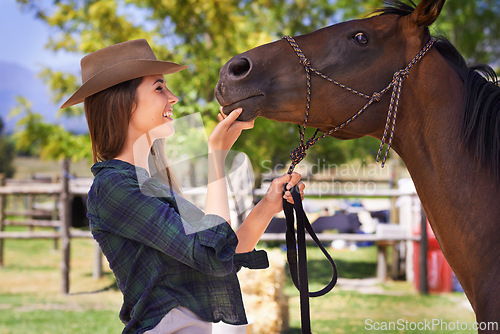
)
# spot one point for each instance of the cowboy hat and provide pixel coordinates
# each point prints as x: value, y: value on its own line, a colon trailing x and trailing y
x: 116, y: 64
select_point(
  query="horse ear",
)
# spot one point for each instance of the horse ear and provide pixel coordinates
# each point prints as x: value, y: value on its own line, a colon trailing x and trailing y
x: 427, y: 12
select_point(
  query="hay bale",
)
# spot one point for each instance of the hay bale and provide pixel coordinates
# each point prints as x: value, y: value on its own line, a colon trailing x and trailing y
x: 263, y: 295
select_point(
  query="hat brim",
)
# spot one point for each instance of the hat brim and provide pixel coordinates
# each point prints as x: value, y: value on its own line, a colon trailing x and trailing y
x: 119, y: 73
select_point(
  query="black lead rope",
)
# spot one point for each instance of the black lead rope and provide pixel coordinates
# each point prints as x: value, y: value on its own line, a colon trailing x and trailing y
x: 298, y: 262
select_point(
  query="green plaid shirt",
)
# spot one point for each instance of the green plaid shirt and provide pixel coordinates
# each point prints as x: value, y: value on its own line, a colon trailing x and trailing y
x: 157, y: 264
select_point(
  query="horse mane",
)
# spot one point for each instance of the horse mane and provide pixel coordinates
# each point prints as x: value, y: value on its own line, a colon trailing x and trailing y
x: 481, y: 114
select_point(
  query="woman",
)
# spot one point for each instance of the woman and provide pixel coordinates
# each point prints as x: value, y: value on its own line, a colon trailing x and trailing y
x: 172, y: 280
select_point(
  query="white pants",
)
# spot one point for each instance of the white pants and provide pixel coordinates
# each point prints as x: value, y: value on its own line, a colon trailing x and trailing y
x: 181, y: 320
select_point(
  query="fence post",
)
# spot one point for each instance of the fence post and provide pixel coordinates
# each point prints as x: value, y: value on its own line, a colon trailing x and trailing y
x: 65, y: 223
x: 2, y: 216
x: 55, y: 213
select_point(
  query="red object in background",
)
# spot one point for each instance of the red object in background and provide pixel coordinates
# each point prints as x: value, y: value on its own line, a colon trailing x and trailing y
x: 439, y: 273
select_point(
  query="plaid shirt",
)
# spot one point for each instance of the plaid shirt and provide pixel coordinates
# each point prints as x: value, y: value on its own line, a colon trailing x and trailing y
x: 157, y: 265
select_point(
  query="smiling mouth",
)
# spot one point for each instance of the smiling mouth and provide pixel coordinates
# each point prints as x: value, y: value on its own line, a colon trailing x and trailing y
x: 168, y: 113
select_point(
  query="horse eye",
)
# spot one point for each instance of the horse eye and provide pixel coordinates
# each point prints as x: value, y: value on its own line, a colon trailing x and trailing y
x: 361, y: 38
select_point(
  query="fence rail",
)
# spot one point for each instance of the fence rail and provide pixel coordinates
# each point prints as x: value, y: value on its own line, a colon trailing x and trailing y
x: 62, y: 192
x: 65, y: 189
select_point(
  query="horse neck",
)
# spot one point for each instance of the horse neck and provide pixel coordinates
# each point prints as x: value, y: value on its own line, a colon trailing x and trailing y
x: 459, y: 198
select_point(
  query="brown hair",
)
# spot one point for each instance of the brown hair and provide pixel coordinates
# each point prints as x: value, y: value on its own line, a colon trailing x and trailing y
x: 108, y: 114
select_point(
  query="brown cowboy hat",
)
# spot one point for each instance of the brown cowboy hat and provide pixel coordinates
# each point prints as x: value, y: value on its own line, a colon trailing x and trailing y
x: 116, y: 64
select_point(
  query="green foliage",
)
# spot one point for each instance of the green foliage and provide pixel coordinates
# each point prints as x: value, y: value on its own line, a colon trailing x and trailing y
x: 50, y: 141
x: 473, y: 27
x: 206, y: 34
x: 7, y: 153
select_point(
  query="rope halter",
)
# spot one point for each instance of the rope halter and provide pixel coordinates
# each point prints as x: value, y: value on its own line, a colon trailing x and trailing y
x: 300, y: 153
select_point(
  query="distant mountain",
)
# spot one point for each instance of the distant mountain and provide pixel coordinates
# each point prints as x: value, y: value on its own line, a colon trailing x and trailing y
x: 17, y: 80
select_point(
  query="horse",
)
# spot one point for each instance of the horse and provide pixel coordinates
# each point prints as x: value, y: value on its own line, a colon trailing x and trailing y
x: 448, y: 124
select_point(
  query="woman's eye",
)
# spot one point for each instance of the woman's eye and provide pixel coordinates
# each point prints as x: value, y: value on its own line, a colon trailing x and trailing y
x: 159, y: 88
x: 361, y: 38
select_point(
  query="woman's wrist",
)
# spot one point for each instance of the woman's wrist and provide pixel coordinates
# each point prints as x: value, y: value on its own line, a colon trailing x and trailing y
x: 216, y: 164
x: 269, y: 206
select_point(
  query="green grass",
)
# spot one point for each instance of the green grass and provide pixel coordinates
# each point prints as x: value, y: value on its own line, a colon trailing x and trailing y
x: 30, y: 285
x: 31, y: 302
x: 350, y: 311
x: 31, y: 314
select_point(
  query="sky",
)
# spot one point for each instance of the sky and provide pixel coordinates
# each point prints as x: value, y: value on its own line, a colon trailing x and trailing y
x: 23, y: 38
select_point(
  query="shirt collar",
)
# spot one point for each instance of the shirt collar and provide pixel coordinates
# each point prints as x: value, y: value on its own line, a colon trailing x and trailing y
x: 120, y: 165
x: 150, y: 186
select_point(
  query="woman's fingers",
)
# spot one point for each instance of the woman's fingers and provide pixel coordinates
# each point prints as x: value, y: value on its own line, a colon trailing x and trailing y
x: 294, y: 180
x: 221, y: 114
x: 233, y: 115
x: 288, y: 195
x: 230, y: 122
x: 228, y: 130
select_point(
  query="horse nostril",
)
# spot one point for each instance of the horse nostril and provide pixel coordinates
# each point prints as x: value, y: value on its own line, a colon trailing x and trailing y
x: 239, y: 67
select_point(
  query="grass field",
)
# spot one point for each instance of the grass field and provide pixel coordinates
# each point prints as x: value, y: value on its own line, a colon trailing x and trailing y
x: 30, y: 299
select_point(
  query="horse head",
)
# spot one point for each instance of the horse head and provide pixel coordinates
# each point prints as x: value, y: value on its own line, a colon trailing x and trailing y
x: 364, y: 54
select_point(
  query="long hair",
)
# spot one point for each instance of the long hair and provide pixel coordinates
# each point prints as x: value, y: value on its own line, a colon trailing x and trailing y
x: 108, y: 115
x: 159, y: 166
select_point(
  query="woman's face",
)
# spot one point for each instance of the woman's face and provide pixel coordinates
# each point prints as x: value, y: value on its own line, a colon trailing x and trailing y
x: 153, y: 112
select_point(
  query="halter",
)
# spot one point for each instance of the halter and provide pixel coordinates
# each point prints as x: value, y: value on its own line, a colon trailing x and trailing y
x: 299, y: 153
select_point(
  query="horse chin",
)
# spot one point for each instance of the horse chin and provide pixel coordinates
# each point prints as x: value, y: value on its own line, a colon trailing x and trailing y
x: 251, y: 108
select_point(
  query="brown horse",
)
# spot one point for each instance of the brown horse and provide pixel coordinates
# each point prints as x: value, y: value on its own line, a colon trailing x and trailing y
x: 448, y: 125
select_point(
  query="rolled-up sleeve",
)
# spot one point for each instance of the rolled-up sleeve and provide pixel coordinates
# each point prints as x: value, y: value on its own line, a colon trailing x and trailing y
x: 256, y: 259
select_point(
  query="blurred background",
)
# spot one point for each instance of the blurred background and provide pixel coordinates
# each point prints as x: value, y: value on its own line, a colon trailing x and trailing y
x: 42, y: 44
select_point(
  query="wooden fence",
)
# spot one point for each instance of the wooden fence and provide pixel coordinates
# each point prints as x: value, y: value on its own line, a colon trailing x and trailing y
x: 66, y: 188
x: 59, y: 217
x: 382, y: 239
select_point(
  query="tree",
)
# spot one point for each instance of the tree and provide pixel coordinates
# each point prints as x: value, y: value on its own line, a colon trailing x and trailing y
x: 7, y: 153
x: 47, y: 140
x: 202, y: 34
x: 205, y: 34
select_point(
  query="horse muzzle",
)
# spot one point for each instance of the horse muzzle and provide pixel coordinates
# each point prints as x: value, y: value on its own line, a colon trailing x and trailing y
x: 235, y: 89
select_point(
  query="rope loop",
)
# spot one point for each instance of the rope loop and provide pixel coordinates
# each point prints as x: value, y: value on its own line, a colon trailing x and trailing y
x: 298, y: 154
x: 403, y: 74
x: 376, y: 96
x: 305, y: 61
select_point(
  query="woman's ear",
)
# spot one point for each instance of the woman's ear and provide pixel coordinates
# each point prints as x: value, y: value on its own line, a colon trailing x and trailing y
x: 427, y: 12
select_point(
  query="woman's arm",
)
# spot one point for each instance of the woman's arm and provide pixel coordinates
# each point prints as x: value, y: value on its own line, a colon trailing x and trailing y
x: 217, y: 197
x: 220, y: 142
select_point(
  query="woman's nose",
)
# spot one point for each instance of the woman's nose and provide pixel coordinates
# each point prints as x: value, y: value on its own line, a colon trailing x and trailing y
x: 172, y: 99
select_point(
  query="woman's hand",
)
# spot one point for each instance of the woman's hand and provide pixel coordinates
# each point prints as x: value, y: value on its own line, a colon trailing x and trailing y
x: 227, y: 131
x: 274, y: 195
x: 258, y: 219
